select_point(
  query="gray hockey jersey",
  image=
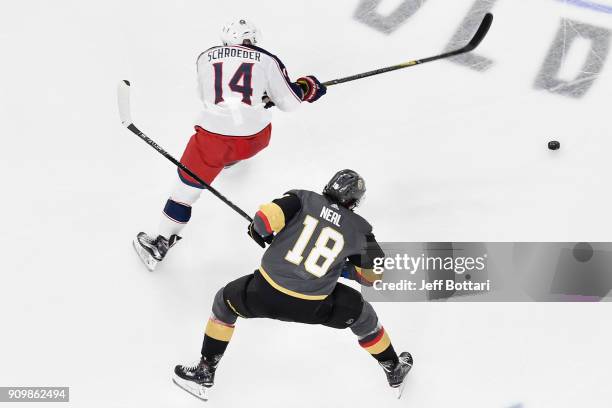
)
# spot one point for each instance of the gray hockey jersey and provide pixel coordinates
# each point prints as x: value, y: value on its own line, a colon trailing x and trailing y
x: 306, y: 257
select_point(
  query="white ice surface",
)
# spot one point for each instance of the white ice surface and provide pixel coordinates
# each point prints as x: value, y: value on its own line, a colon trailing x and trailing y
x: 449, y: 154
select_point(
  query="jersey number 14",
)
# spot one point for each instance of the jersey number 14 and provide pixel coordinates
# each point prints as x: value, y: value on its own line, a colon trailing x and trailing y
x: 320, y: 251
x: 240, y: 82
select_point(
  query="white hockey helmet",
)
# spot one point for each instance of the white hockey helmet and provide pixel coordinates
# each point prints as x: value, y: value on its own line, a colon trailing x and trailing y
x: 236, y: 32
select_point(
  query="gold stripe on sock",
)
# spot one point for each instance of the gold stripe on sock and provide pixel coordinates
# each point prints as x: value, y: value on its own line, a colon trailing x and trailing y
x: 380, y: 346
x: 218, y: 330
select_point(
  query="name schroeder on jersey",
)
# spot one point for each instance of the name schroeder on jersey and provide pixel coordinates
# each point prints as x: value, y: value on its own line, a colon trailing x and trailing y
x: 232, y: 52
x: 232, y: 81
x: 315, y: 238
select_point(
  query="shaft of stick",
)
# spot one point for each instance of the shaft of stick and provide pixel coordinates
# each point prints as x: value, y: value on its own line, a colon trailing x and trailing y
x: 480, y: 34
x: 180, y: 165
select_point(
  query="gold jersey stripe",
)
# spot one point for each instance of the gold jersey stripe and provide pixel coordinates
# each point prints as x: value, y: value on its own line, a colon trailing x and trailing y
x: 275, y: 216
x: 288, y: 291
x: 380, y: 345
x: 219, y: 331
x: 369, y: 274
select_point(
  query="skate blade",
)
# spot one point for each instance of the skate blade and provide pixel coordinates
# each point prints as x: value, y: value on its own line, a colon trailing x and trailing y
x: 400, y: 389
x: 198, y: 391
x: 144, y: 256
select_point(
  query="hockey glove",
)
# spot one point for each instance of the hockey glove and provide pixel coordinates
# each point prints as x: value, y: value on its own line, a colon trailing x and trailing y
x: 312, y: 88
x: 261, y: 241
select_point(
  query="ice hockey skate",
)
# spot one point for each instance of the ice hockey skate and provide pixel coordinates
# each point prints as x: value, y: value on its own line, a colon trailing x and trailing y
x: 396, y: 375
x: 198, y: 378
x: 151, y: 251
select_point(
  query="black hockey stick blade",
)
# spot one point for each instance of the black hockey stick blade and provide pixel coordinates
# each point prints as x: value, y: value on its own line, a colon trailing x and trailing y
x: 481, y: 33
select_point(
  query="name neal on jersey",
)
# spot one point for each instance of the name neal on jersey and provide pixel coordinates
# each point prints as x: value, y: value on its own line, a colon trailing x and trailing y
x: 227, y: 52
x: 329, y: 215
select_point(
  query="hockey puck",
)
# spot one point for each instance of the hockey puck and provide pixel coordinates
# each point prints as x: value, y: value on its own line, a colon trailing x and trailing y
x: 554, y: 145
x: 583, y: 252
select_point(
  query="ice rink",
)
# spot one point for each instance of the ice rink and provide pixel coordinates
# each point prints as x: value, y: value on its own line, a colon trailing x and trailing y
x: 449, y: 153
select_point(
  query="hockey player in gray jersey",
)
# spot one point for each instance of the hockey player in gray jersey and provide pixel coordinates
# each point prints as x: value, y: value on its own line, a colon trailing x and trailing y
x: 314, y: 240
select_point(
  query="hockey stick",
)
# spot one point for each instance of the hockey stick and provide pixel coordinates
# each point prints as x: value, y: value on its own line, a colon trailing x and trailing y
x: 123, y: 94
x: 481, y: 33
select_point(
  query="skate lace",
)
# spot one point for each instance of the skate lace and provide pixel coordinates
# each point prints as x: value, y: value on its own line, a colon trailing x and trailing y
x: 202, y: 366
x: 147, y: 239
x: 388, y: 366
x: 192, y: 367
x: 161, y: 244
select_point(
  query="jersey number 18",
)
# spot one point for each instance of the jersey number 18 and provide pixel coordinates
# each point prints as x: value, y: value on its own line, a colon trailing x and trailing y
x: 321, y: 249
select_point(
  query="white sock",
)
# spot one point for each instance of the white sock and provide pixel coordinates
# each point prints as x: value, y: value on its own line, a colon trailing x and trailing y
x: 177, y: 212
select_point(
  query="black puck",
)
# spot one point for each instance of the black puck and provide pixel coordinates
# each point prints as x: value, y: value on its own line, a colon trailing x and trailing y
x: 583, y: 252
x: 554, y: 145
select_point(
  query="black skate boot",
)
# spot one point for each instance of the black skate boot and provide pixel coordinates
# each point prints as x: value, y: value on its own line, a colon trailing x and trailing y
x: 397, y: 373
x: 151, y: 251
x: 197, y: 379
